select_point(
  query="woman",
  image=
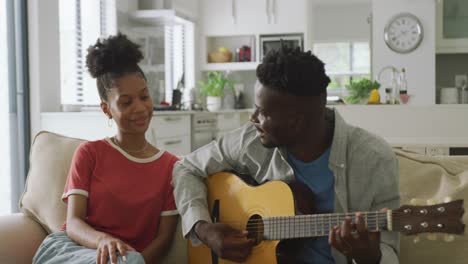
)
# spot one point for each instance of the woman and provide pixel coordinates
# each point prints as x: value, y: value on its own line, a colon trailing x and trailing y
x: 119, y: 194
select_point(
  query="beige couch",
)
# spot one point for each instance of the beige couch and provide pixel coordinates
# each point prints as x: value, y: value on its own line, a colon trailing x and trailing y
x: 43, y: 212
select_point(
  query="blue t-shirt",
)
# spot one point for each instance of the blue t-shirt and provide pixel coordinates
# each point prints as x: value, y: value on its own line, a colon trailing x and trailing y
x: 321, y: 181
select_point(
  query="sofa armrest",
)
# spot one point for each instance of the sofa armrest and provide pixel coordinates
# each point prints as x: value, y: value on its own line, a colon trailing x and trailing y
x: 20, y: 238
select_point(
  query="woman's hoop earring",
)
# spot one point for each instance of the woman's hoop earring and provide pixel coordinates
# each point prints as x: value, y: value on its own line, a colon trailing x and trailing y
x: 109, y: 122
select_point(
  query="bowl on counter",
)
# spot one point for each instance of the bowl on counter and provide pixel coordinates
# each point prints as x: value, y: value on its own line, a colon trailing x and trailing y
x: 219, y: 57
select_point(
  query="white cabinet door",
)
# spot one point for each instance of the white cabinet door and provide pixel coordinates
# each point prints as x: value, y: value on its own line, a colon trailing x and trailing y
x: 163, y: 126
x: 452, y: 26
x: 236, y: 17
x: 216, y: 17
x: 171, y: 133
x: 188, y: 8
x: 228, y: 121
x: 290, y: 16
x: 176, y: 145
x: 88, y: 126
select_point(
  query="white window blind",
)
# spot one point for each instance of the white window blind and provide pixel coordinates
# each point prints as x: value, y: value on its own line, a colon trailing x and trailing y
x: 345, y: 62
x: 82, y: 22
x: 168, y: 62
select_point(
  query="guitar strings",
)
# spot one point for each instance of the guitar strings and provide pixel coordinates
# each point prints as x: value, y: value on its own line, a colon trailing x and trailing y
x: 327, y: 217
x: 312, y: 222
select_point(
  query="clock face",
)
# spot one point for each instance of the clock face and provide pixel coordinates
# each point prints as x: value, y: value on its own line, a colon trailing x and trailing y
x: 403, y: 33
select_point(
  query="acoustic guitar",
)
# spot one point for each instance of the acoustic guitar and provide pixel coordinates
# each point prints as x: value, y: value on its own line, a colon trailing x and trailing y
x: 267, y: 212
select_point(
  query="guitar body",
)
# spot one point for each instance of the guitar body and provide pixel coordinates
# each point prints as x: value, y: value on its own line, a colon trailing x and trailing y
x: 238, y: 202
x: 268, y: 213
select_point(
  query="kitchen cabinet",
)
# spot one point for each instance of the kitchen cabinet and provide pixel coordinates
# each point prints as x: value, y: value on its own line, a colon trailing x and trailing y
x: 233, y: 23
x: 174, y: 131
x: 185, y: 8
x: 234, y: 17
x: 83, y: 125
x: 226, y: 122
x: 451, y: 26
x: 171, y: 133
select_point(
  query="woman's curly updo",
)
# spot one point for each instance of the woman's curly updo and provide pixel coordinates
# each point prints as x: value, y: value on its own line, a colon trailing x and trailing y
x: 110, y: 59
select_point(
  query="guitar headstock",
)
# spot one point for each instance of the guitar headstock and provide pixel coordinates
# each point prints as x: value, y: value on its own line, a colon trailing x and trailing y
x: 437, y: 218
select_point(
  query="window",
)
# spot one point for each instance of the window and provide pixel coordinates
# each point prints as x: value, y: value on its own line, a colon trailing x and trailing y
x: 5, y: 190
x: 82, y: 22
x: 168, y: 51
x: 14, y: 104
x: 345, y: 62
x: 167, y: 48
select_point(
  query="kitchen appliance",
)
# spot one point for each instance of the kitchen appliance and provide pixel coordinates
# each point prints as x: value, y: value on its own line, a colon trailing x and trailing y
x: 449, y: 95
x: 203, y: 129
x: 274, y: 42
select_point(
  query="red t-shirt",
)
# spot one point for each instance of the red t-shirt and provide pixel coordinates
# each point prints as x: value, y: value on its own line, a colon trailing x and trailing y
x: 126, y: 195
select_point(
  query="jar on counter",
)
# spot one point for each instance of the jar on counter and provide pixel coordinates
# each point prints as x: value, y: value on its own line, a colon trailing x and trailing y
x: 389, y: 98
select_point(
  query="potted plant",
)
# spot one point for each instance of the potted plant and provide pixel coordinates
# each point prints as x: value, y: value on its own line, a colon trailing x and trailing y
x: 213, y: 88
x: 359, y: 91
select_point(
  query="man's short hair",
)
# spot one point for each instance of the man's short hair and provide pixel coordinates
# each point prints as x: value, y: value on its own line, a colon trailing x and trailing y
x: 294, y: 72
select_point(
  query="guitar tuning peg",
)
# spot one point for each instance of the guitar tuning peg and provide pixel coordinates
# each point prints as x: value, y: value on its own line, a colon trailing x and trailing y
x: 432, y: 201
x: 432, y: 237
x: 416, y: 201
x: 447, y: 199
x: 449, y: 238
x: 416, y: 239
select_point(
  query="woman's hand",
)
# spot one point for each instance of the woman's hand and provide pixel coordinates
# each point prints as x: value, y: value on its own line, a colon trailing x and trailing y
x: 108, y: 246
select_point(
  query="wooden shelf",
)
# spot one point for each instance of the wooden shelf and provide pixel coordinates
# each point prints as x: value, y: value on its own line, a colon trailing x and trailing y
x: 230, y: 66
x: 153, y: 68
x: 158, y: 17
x: 232, y: 43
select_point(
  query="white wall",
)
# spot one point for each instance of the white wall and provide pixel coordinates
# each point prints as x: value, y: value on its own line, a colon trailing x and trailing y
x: 419, y: 64
x: 44, y: 59
x: 340, y: 21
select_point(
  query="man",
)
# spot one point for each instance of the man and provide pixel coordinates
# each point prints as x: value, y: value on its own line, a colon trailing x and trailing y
x: 294, y: 137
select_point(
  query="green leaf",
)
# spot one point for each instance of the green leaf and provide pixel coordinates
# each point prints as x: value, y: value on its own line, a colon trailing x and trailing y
x: 358, y: 91
x: 215, y: 84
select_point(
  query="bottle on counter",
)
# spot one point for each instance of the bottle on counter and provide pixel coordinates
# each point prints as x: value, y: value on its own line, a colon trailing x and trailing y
x: 403, y: 93
x: 396, y: 90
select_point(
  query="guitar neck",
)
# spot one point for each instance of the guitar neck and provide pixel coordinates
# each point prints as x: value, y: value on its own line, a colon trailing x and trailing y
x: 319, y: 225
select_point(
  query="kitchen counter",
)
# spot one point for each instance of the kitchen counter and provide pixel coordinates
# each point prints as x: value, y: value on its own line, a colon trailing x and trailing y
x: 171, y: 112
x: 403, y: 125
x: 400, y: 125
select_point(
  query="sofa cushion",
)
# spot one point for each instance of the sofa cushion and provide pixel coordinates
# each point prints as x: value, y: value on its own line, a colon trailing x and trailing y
x: 49, y: 162
x: 21, y: 237
x: 433, y: 178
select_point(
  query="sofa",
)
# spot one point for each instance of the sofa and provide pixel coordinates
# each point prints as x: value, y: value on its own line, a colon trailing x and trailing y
x: 43, y: 212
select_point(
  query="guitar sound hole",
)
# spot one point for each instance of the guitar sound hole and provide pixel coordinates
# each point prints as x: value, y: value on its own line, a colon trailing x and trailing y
x: 255, y: 228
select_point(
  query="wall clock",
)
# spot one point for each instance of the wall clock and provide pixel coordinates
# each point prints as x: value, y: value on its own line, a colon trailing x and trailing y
x: 403, y: 33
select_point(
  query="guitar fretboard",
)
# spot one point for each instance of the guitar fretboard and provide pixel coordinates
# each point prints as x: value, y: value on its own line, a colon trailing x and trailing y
x: 318, y: 225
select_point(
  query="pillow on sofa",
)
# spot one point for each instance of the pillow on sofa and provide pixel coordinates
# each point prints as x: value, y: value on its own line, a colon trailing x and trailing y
x: 49, y: 162
x: 425, y: 178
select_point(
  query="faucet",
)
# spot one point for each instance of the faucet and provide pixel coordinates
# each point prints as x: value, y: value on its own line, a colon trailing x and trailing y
x: 394, y: 72
x: 390, y: 86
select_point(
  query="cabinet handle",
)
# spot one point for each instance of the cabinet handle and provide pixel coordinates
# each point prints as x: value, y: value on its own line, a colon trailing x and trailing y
x: 174, y: 142
x: 267, y: 10
x: 226, y: 116
x: 170, y: 119
x: 233, y: 9
x: 274, y: 10
x: 153, y: 136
